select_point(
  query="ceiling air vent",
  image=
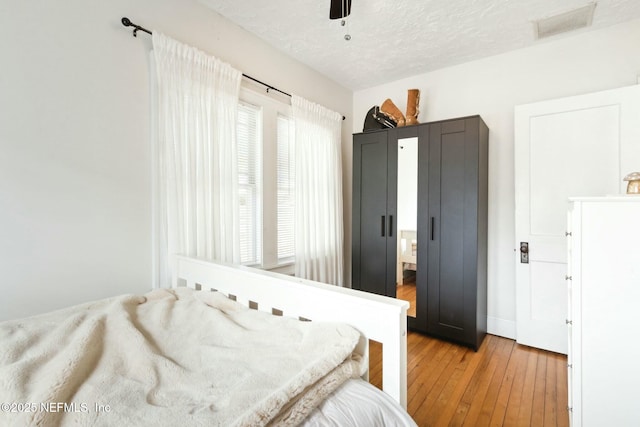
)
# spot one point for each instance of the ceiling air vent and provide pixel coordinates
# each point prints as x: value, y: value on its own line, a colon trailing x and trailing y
x: 563, y: 22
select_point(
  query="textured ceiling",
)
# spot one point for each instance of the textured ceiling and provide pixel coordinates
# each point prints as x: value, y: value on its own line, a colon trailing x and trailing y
x: 392, y: 39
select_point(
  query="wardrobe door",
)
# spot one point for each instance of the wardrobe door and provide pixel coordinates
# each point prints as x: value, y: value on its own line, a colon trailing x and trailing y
x: 453, y: 230
x: 372, y: 223
x: 423, y: 232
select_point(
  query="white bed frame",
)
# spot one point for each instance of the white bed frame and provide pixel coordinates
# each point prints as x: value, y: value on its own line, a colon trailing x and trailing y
x: 379, y: 318
x: 405, y: 252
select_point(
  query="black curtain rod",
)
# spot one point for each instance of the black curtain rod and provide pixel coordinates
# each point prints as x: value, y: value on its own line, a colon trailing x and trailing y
x: 127, y: 23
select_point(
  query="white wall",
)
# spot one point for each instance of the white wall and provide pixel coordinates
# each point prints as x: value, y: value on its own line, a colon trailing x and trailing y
x: 583, y: 63
x: 75, y: 200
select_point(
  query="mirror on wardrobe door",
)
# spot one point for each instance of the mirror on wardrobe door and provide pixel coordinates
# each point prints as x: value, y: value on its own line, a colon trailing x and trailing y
x: 407, y: 215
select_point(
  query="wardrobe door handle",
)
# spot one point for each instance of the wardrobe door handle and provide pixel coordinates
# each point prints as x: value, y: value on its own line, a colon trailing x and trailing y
x: 382, y: 224
x: 433, y: 228
x: 390, y: 225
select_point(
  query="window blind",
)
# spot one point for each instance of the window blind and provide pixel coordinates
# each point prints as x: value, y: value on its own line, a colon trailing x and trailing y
x: 248, y: 133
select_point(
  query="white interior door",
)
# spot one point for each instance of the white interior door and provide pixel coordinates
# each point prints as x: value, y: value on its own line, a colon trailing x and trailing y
x: 577, y: 146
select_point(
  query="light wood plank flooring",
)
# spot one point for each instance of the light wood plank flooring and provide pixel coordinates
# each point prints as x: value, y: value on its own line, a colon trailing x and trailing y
x: 502, y: 384
x: 407, y: 292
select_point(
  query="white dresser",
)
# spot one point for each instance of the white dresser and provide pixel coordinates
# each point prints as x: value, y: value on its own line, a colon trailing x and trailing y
x: 604, y: 311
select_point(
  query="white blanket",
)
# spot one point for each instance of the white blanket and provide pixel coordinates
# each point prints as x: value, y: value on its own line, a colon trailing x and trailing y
x: 178, y: 357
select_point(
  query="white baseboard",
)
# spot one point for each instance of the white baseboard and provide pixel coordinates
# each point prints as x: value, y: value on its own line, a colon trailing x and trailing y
x: 501, y: 327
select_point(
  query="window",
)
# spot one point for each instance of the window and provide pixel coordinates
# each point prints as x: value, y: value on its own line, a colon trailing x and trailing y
x: 266, y: 171
x: 249, y: 173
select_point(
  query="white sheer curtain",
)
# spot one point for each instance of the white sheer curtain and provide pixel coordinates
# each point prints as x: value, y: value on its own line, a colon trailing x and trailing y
x: 318, y: 180
x: 195, y: 181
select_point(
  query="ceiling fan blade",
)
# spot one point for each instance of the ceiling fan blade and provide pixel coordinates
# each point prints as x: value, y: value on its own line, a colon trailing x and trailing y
x: 339, y: 9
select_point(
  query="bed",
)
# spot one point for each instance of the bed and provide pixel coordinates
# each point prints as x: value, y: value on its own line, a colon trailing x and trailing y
x: 150, y: 359
x: 407, y: 253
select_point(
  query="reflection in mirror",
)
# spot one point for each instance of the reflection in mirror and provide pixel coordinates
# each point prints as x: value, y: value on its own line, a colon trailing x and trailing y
x: 407, y: 216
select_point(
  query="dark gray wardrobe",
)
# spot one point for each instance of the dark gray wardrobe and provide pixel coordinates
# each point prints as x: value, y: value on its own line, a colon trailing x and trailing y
x: 451, y: 273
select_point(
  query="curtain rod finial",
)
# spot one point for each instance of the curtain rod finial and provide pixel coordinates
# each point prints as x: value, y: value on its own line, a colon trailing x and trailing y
x: 127, y: 23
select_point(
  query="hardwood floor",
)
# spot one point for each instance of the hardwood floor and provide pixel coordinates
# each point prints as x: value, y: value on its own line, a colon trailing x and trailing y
x: 502, y: 384
x: 407, y: 292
